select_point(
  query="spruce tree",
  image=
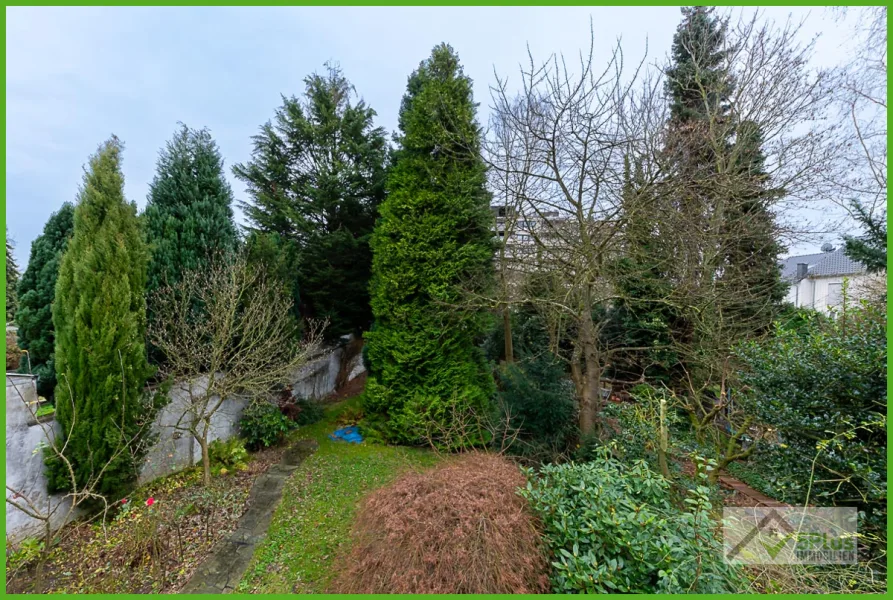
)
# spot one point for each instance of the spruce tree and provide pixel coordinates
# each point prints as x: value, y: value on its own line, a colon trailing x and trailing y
x: 316, y: 178
x: 37, y: 290
x: 752, y: 246
x: 189, y: 215
x: 431, y: 245
x: 12, y: 279
x: 99, y: 316
x: 718, y: 172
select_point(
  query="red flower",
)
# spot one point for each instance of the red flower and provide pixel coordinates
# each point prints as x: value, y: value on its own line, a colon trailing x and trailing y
x: 123, y: 500
x: 150, y: 501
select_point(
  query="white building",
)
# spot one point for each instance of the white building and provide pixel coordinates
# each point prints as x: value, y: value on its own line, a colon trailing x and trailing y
x: 817, y: 280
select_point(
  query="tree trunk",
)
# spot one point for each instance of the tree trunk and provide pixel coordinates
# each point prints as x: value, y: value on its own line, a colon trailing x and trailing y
x: 206, y: 458
x: 590, y: 401
x: 507, y: 329
x: 663, y: 443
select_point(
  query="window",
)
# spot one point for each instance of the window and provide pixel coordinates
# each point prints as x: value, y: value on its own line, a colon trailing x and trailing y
x: 835, y: 295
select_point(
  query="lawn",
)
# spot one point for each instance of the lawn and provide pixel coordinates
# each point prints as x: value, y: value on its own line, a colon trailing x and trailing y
x: 311, y: 526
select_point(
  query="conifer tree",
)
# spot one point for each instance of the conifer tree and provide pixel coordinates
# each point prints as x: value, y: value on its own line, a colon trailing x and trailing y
x: 12, y: 279
x: 871, y: 248
x: 641, y: 317
x: 721, y: 196
x: 189, y: 216
x: 432, y: 243
x: 99, y: 316
x: 37, y: 290
x: 316, y: 178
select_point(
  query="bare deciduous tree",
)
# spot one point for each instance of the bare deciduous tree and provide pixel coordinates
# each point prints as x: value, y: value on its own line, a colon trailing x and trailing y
x: 226, y: 332
x: 860, y: 173
x: 54, y: 512
x: 559, y: 158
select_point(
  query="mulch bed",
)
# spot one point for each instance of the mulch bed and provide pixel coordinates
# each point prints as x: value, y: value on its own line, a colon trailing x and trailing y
x: 150, y: 549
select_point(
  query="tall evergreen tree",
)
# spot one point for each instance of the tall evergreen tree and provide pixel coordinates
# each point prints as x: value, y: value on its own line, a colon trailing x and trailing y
x: 12, y: 279
x: 721, y: 193
x: 189, y: 215
x: 37, y: 291
x: 316, y: 178
x: 99, y: 317
x: 277, y: 256
x: 752, y: 246
x: 432, y: 243
x: 642, y: 316
x: 698, y: 81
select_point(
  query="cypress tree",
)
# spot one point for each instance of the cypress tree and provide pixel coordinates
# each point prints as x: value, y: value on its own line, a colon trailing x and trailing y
x: 432, y: 243
x: 316, y: 178
x: 99, y: 316
x: 189, y: 215
x: 12, y: 279
x: 37, y: 290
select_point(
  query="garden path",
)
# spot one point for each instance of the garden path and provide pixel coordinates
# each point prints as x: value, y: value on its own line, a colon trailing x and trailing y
x: 221, y: 571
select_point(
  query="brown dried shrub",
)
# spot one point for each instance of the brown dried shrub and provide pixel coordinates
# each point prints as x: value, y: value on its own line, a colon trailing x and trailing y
x: 13, y: 353
x: 459, y: 528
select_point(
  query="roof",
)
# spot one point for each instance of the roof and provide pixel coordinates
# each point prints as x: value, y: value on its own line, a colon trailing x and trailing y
x: 823, y: 264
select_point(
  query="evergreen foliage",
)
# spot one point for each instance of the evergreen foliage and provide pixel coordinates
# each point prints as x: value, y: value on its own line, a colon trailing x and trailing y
x: 722, y: 233
x: 642, y: 316
x: 698, y: 80
x: 871, y: 248
x: 752, y: 249
x: 37, y: 290
x: 12, y: 280
x: 316, y: 178
x: 431, y: 245
x: 99, y: 316
x: 189, y: 216
x: 278, y: 257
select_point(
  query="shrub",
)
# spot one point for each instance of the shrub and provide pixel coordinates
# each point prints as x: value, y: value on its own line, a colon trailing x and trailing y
x: 823, y: 388
x: 27, y: 553
x: 228, y: 454
x: 537, y: 401
x: 263, y: 425
x: 310, y: 411
x: 460, y: 528
x: 14, y: 355
x: 612, y: 528
x: 633, y: 429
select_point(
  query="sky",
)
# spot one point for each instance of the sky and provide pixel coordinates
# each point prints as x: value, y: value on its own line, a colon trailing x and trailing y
x: 74, y: 76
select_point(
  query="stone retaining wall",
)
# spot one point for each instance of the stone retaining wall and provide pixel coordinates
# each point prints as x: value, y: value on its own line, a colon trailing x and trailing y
x: 174, y: 450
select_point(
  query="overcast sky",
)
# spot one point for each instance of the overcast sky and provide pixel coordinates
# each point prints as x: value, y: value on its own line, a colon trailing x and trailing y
x: 74, y: 76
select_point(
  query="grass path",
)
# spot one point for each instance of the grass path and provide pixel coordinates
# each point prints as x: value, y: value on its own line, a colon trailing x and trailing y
x: 311, y: 526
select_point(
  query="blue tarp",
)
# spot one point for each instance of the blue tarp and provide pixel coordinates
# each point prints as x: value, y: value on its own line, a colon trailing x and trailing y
x: 347, y: 434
